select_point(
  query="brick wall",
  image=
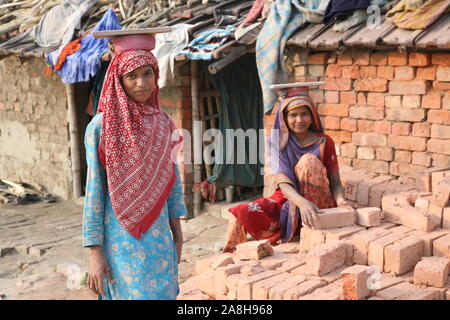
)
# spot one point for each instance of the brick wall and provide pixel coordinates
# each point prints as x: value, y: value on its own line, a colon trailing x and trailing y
x: 34, y: 139
x: 175, y: 99
x: 388, y: 112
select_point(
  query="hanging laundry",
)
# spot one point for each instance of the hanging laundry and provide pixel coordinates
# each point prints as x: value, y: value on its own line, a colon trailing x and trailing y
x: 283, y: 20
x: 56, y: 28
x: 201, y: 48
x: 84, y: 63
x: 254, y: 13
x: 69, y: 49
x: 342, y: 9
x: 417, y: 15
x: 168, y: 46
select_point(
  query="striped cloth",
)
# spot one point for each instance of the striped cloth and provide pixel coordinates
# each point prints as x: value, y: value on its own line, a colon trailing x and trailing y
x: 283, y: 20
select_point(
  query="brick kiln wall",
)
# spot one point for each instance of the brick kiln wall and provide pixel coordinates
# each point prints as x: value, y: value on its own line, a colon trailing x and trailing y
x: 34, y: 139
x: 175, y: 99
x: 388, y: 112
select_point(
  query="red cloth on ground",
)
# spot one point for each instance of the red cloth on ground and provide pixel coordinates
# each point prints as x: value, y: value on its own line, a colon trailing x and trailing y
x: 260, y: 218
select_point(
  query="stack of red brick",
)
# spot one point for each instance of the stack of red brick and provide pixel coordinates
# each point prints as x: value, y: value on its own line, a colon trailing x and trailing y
x: 401, y: 251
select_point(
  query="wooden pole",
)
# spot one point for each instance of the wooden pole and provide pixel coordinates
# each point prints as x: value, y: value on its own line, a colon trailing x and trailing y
x: 198, y: 148
x: 74, y: 140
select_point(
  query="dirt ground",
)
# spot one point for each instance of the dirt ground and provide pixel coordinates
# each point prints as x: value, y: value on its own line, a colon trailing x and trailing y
x: 41, y: 244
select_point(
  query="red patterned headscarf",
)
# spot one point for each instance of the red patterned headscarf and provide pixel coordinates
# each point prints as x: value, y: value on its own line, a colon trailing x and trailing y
x: 136, y: 145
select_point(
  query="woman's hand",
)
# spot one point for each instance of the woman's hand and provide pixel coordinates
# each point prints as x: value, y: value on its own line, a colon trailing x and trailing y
x: 97, y: 268
x: 309, y: 213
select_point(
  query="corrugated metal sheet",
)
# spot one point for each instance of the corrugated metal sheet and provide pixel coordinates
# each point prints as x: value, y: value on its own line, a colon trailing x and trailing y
x: 321, y: 37
x: 437, y: 36
x: 369, y: 37
x: 305, y: 34
x: 331, y: 39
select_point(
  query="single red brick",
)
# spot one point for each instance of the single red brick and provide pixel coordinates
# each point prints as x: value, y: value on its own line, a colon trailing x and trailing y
x: 383, y: 127
x: 404, y: 73
x: 446, y: 101
x: 440, y: 85
x: 397, y: 59
x: 329, y: 109
x: 345, y: 59
x: 349, y: 125
x: 348, y: 97
x: 369, y: 216
x: 366, y: 153
x: 331, y: 123
x: 368, y: 72
x: 439, y: 146
x: 369, y: 84
x: 340, y: 137
x: 385, y: 72
x: 369, y: 139
x: 410, y: 115
x: 432, y: 100
x: 441, y: 247
x: 432, y: 271
x: 408, y: 87
x: 386, y: 154
x: 403, y: 156
x: 318, y: 58
x: 335, y: 218
x: 317, y: 96
x: 362, y: 58
x: 440, y: 131
x: 441, y: 59
x: 439, y: 117
x: 379, y: 59
x: 331, y: 97
x: 421, y: 159
x: 254, y: 250
x: 419, y: 59
x: 350, y: 72
x: 326, y: 258
x: 354, y: 282
x: 366, y: 125
x: 407, y: 143
x: 392, y: 101
x: 338, y: 84
x: 443, y: 73
x: 402, y: 256
x: 426, y: 73
x: 421, y: 129
x: 376, y: 166
x: 375, y: 99
x: 401, y: 129
x: 411, y: 101
x: 333, y: 71
x: 371, y: 113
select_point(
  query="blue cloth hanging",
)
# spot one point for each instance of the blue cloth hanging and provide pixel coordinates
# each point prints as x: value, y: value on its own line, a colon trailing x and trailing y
x: 82, y: 65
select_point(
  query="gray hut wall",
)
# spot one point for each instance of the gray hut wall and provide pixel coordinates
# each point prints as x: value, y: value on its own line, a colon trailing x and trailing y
x: 34, y: 139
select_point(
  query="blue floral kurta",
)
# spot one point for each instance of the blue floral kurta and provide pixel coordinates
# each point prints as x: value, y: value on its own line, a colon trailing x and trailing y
x: 141, y: 269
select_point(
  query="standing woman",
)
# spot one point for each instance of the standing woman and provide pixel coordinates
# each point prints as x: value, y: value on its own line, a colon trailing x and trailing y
x: 307, y: 176
x: 133, y: 193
